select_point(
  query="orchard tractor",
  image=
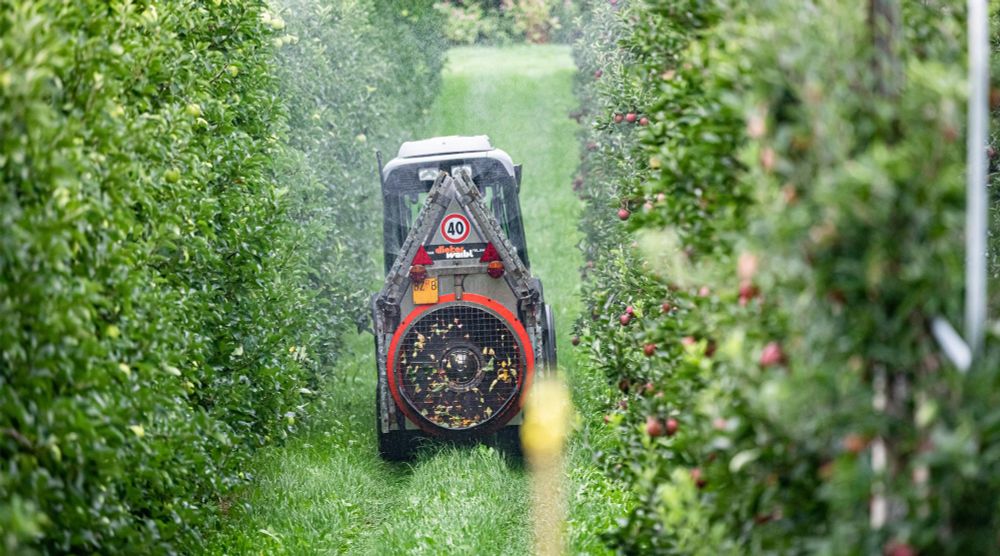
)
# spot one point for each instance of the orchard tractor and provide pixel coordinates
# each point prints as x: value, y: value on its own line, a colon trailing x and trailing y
x: 461, y: 326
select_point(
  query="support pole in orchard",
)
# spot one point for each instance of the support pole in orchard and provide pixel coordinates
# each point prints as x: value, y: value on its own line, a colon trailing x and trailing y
x: 884, y: 23
x: 975, y: 195
x: 962, y: 351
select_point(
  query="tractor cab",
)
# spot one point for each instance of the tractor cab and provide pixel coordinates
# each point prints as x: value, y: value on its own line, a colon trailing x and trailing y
x: 407, y: 180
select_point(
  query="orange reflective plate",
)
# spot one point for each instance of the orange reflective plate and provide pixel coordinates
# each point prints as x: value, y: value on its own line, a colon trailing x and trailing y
x: 426, y: 292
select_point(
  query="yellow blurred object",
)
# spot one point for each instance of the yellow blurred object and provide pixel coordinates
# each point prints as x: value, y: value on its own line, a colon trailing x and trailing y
x: 546, y: 419
x: 548, y: 415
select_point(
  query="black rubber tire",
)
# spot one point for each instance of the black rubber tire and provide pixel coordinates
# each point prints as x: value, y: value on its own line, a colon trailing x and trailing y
x: 508, y: 440
x: 395, y: 446
x: 549, y: 332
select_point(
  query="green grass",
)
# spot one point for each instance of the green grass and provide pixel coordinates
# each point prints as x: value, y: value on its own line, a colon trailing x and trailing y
x: 327, y: 491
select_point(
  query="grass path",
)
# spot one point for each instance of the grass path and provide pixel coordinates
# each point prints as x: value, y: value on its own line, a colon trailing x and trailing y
x: 327, y: 491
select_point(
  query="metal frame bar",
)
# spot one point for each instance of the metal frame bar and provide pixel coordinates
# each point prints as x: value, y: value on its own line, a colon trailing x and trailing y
x: 976, y: 200
x: 962, y: 352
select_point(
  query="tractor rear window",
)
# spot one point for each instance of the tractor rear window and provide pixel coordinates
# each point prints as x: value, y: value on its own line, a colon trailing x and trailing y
x: 404, y: 196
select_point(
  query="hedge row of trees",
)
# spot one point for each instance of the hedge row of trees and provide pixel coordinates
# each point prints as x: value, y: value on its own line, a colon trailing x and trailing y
x: 507, y: 21
x: 994, y: 165
x: 186, y: 206
x: 774, y: 215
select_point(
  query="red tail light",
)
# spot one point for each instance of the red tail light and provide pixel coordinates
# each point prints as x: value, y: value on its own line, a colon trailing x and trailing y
x: 495, y: 269
x: 422, y: 258
x: 418, y: 268
x: 418, y: 273
x: 490, y: 254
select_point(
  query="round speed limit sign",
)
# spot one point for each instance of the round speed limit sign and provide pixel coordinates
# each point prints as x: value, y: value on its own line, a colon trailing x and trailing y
x: 455, y: 228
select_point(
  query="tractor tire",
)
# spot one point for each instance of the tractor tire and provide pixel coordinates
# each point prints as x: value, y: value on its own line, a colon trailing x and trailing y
x: 549, y: 333
x: 508, y: 441
x: 394, y: 446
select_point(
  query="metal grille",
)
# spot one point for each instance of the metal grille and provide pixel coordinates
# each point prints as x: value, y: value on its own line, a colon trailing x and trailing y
x: 459, y: 366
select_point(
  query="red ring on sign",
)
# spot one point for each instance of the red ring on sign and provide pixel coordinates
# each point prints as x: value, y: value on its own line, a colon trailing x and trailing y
x: 464, y: 221
x: 524, y: 379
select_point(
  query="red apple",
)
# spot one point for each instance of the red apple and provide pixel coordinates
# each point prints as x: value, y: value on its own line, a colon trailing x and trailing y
x: 772, y: 355
x: 756, y: 126
x: 689, y: 340
x: 619, y: 118
x: 696, y: 476
x: 767, y: 159
x: 624, y: 319
x: 666, y: 307
x: 630, y: 310
x: 837, y: 296
x: 630, y: 117
x: 747, y: 266
x: 575, y: 340
x: 825, y: 471
x: 672, y: 426
x: 897, y: 548
x: 623, y: 214
x: 790, y: 194
x: 649, y: 350
x: 598, y: 74
x: 654, y: 427
x: 624, y: 384
x: 747, y: 292
x: 644, y: 121
x: 854, y: 443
